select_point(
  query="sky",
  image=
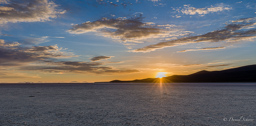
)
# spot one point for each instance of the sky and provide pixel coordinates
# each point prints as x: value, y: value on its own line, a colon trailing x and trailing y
x: 102, y: 40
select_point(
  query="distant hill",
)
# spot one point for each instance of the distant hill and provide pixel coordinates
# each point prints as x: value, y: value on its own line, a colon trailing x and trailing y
x: 240, y: 74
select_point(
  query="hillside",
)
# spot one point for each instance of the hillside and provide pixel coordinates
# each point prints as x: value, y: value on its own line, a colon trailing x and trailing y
x: 240, y: 74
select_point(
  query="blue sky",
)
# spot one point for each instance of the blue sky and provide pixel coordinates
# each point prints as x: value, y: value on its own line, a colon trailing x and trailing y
x: 102, y: 40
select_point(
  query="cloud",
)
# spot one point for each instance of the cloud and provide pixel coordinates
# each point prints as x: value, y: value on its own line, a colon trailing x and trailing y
x: 154, y: 0
x: 97, y: 58
x: 35, y: 41
x: 45, y: 52
x: 3, y: 2
x: 5, y: 34
x: 3, y: 44
x: 220, y: 65
x: 28, y: 11
x: 46, y: 59
x: 121, y: 28
x: 127, y: 30
x: 7, y: 75
x: 114, y: 4
x: 59, y: 37
x: 78, y: 67
x: 209, y: 48
x: 240, y: 30
x: 203, y: 11
x: 13, y: 54
x: 70, y: 66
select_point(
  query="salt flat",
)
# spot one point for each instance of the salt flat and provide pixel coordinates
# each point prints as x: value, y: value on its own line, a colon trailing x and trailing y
x: 128, y: 104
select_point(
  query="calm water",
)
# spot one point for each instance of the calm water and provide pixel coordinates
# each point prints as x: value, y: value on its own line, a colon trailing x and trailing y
x: 128, y: 104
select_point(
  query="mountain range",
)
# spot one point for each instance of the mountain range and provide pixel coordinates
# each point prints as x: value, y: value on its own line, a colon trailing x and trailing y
x: 239, y: 74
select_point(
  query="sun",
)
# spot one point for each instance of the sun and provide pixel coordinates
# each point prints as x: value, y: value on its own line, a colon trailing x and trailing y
x: 160, y: 74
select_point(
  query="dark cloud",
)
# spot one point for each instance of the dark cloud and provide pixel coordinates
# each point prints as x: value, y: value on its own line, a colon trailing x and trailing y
x: 190, y: 65
x: 42, y: 48
x: 46, y: 59
x: 27, y: 11
x: 78, y: 67
x: 15, y: 56
x: 121, y: 71
x: 239, y: 30
x: 124, y: 29
x: 66, y: 66
x: 12, y: 54
x: 97, y: 58
x: 220, y: 65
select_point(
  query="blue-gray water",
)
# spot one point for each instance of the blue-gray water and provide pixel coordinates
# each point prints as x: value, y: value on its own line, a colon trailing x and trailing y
x: 128, y: 104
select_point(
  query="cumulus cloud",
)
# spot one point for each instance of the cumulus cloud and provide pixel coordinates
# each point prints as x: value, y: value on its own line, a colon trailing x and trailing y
x: 121, y: 28
x: 240, y: 30
x: 3, y: 44
x: 97, y: 58
x: 127, y: 30
x: 188, y: 10
x: 12, y: 54
x: 208, y: 48
x: 28, y: 11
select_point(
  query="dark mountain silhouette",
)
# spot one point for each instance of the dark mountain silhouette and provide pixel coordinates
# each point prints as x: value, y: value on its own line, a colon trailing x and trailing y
x: 240, y: 74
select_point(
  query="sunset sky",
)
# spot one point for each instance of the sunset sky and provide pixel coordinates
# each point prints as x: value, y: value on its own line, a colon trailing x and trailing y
x: 103, y: 40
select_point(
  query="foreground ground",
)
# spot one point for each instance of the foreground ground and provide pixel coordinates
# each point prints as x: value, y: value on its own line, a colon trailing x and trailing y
x: 126, y: 104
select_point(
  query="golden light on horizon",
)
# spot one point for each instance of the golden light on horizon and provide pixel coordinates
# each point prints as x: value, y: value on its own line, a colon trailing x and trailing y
x: 161, y: 74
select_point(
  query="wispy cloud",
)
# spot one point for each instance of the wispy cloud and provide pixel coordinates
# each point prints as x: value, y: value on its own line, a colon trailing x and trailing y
x: 208, y: 48
x: 59, y: 37
x: 35, y: 41
x: 188, y: 10
x: 4, y: 34
x: 219, y: 65
x: 7, y: 75
x: 98, y: 58
x: 240, y: 30
x: 28, y: 11
x: 114, y: 3
x: 78, y: 67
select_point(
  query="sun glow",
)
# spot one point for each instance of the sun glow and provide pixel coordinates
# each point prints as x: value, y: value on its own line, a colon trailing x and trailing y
x: 160, y: 74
